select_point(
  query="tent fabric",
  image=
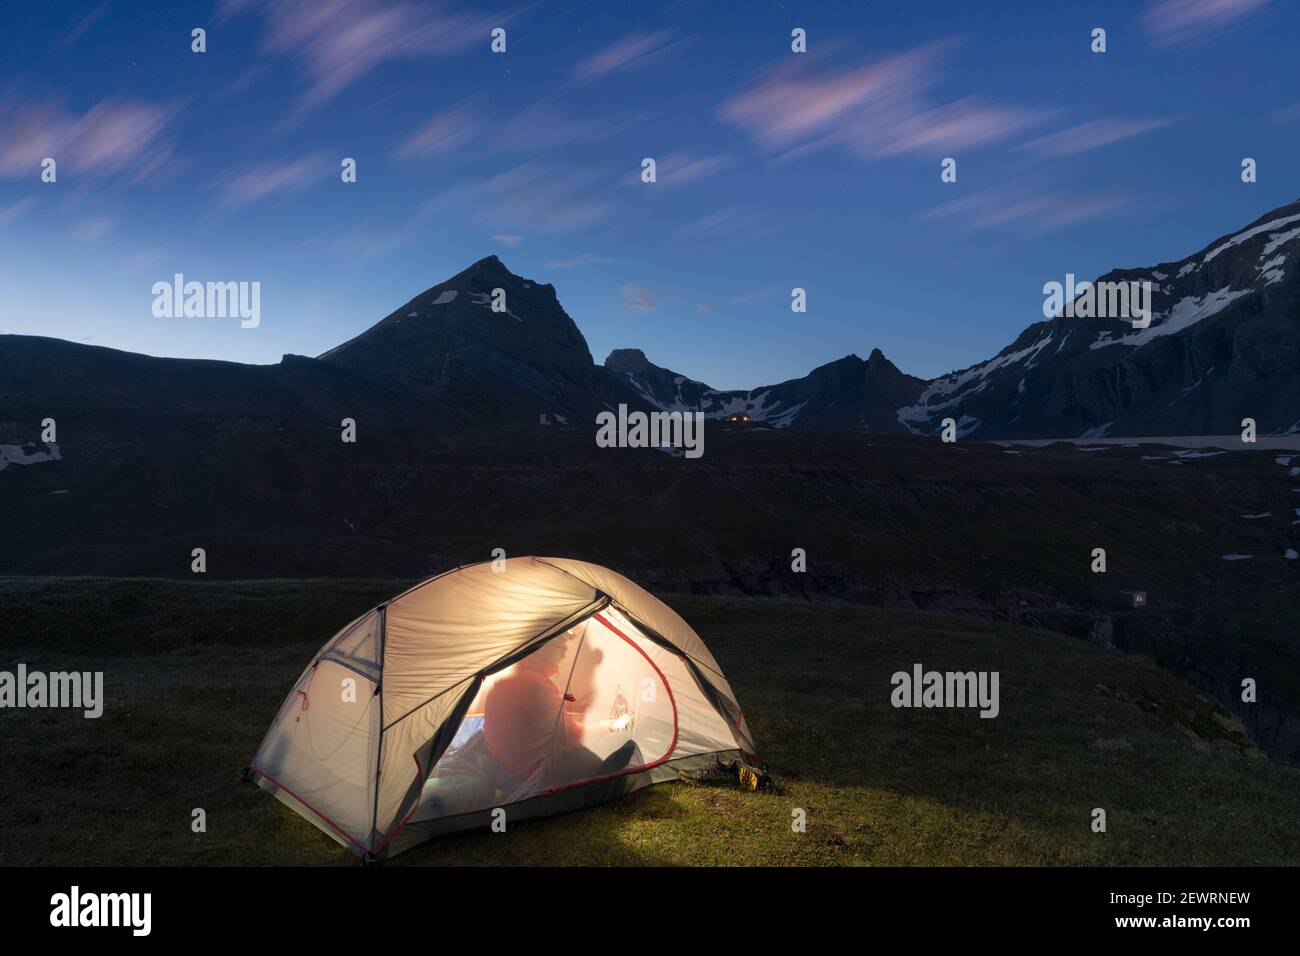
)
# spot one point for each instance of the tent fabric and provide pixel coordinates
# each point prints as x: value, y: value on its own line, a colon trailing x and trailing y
x: 534, y: 684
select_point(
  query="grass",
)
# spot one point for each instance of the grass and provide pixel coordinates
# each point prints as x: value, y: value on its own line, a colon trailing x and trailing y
x: 193, y: 674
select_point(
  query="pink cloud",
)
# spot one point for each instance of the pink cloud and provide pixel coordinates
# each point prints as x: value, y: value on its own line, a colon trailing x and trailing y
x: 446, y: 131
x: 1093, y: 135
x: 632, y: 52
x: 81, y: 26
x: 874, y: 111
x: 542, y: 126
x: 1287, y: 114
x: 88, y: 230
x: 727, y: 220
x: 681, y: 168
x: 532, y: 197
x: 113, y: 136
x: 14, y: 211
x: 1174, y: 22
x: 966, y: 124
x: 639, y: 297
x: 337, y: 42
x: 1033, y: 211
x: 275, y: 179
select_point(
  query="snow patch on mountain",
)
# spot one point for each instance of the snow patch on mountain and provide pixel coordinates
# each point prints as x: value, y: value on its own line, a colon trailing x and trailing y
x: 484, y: 299
x: 951, y: 389
x: 1241, y: 237
x: 1185, y: 313
x: 772, y: 416
x: 1272, y: 271
x: 1098, y: 431
x: 21, y: 455
x: 1278, y: 240
x: 448, y: 295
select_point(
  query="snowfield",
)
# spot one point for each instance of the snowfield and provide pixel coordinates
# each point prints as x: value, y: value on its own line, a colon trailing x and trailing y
x: 1185, y: 313
x: 18, y: 455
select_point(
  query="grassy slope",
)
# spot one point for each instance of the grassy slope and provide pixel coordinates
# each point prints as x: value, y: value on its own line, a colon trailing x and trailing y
x: 194, y: 673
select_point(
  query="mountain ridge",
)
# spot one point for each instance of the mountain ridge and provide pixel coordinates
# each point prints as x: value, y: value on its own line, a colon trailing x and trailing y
x: 1232, y: 307
x: 1223, y: 345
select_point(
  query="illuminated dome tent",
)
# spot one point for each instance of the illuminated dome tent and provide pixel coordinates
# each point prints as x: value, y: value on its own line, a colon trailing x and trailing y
x: 541, y: 686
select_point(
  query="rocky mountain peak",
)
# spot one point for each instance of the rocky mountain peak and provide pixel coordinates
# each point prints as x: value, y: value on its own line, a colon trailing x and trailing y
x: 627, y: 360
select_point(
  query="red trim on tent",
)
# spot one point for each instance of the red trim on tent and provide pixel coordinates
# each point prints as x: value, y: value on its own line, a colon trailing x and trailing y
x: 671, y: 747
x: 341, y: 832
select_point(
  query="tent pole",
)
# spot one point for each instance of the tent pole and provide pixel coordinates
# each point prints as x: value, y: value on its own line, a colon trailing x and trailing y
x: 379, y: 745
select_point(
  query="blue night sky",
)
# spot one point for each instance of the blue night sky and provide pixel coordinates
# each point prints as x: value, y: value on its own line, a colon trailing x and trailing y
x: 775, y: 169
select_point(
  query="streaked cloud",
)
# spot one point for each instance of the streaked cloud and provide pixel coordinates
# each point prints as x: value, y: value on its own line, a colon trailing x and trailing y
x: 16, y: 210
x: 532, y: 197
x: 681, y: 168
x: 1287, y: 114
x: 874, y: 111
x: 632, y: 52
x: 639, y: 297
x: 967, y: 124
x: 543, y: 126
x: 529, y: 198
x: 1029, y: 211
x: 88, y: 230
x: 749, y: 295
x: 740, y: 298
x: 257, y: 182
x: 725, y: 220
x: 1093, y: 135
x: 337, y: 42
x: 446, y: 131
x: 1176, y: 22
x: 82, y: 25
x: 113, y: 136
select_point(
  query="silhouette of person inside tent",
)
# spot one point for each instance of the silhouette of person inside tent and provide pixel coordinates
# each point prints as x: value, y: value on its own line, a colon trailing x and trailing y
x: 532, y: 734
